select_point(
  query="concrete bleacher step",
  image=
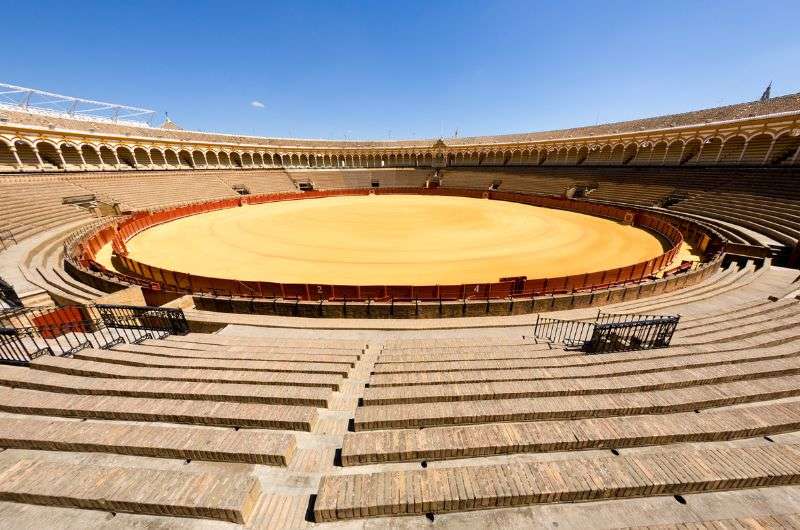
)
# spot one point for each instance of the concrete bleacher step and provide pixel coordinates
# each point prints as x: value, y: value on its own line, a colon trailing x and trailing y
x: 20, y: 377
x: 247, y: 446
x: 200, y: 338
x: 737, y: 281
x: 489, y: 354
x: 757, y: 308
x: 783, y: 311
x: 120, y: 371
x: 40, y: 403
x: 447, y: 489
x: 154, y: 347
x: 723, y: 275
x: 566, y: 385
x: 745, y: 331
x: 439, y: 443
x: 226, y: 497
x: 594, y: 366
x: 576, y: 406
x: 646, y: 359
x: 132, y: 359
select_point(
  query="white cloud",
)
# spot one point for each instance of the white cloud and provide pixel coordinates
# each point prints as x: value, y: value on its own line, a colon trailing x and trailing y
x: 257, y: 104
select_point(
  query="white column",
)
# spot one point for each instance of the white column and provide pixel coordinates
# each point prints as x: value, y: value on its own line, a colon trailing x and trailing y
x: 769, y: 151
x: 16, y: 157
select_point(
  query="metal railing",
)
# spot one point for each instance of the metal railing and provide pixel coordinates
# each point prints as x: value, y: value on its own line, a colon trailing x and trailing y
x: 7, y: 239
x: 28, y: 333
x: 609, y: 332
x: 154, y: 319
x: 8, y: 296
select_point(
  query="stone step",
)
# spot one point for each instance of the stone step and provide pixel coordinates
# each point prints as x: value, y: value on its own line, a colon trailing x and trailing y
x: 119, y: 371
x: 574, y: 407
x: 566, y: 385
x: 132, y: 359
x: 20, y: 377
x: 437, y: 443
x: 34, y: 402
x: 230, y: 340
x: 627, y: 367
x: 234, y: 354
x: 228, y: 497
x: 247, y: 446
x: 448, y: 489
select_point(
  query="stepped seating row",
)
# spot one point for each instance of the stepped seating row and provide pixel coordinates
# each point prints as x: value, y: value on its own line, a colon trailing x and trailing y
x: 470, y: 441
x: 259, y: 181
x: 326, y: 179
x: 516, y: 484
x: 121, y: 489
x: 29, y: 208
x: 506, y: 422
x: 55, y: 414
x: 154, y: 189
x: 130, y: 433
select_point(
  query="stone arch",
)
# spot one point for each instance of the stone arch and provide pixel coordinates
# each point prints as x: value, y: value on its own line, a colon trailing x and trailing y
x: 756, y: 149
x: 125, y: 157
x: 247, y: 160
x: 49, y: 155
x: 91, y: 156
x: 141, y: 156
x: 236, y: 159
x: 731, y: 151
x: 691, y: 150
x: 629, y: 153
x: 211, y: 159
x: 198, y: 158
x: 172, y: 158
x: 616, y: 155
x: 157, y: 157
x: 572, y: 156
x: 674, y: 151
x: 185, y: 158
x: 710, y: 151
x: 26, y: 154
x: 785, y: 148
x: 581, y: 155
x: 660, y: 149
x: 108, y: 156
x: 71, y: 156
x: 223, y: 159
x: 7, y: 160
x: 644, y: 155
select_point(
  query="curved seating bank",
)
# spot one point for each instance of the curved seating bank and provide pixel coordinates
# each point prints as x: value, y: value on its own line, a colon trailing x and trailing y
x: 518, y: 295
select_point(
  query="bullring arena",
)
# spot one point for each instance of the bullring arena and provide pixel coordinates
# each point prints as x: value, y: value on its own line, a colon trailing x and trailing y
x: 390, y: 239
x: 595, y: 327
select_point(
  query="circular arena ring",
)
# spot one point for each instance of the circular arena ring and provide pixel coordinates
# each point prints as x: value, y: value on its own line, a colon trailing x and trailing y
x: 304, y: 257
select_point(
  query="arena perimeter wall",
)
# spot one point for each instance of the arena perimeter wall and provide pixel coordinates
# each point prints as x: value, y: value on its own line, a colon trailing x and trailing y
x: 158, y: 278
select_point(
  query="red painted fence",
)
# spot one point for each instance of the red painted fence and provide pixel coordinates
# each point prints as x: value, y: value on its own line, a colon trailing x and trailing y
x: 175, y: 281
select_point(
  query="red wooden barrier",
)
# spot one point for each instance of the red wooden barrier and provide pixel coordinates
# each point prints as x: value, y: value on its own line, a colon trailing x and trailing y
x: 189, y: 283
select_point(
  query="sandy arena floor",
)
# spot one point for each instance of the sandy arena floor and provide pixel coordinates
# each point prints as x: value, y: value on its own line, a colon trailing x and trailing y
x: 390, y: 239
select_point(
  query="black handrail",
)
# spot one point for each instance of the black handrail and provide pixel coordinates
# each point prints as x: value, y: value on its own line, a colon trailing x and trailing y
x: 27, y: 333
x: 609, y: 332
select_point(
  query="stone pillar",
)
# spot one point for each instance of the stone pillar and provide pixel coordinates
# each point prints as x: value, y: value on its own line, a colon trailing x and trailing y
x: 83, y: 160
x: 16, y: 157
x: 744, y: 148
x: 769, y: 151
x: 38, y: 157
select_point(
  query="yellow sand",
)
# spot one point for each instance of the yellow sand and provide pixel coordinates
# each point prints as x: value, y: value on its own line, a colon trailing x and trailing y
x: 390, y: 239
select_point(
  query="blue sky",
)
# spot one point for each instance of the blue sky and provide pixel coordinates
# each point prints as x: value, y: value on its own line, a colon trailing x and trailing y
x: 407, y: 69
